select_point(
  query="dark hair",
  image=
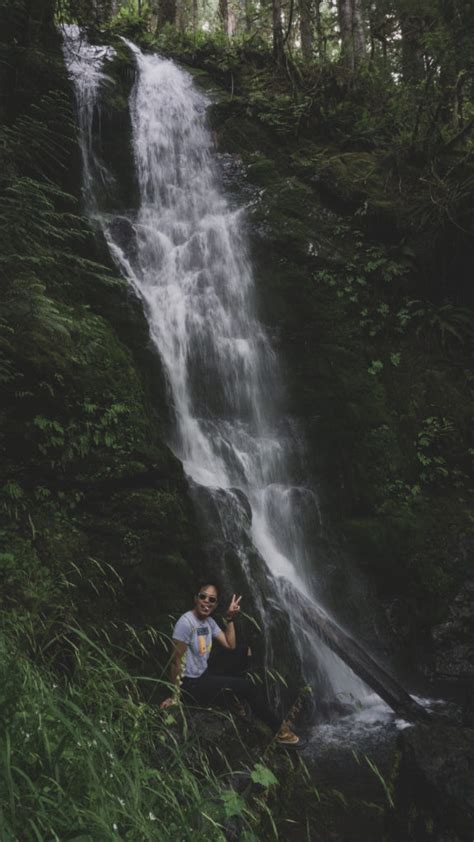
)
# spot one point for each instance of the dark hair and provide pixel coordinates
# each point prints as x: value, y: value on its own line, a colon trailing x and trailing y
x: 204, y: 583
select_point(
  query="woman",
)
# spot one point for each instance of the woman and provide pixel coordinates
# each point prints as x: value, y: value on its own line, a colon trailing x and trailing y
x: 204, y: 683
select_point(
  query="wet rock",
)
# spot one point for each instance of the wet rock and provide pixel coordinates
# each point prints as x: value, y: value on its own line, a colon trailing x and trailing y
x: 227, y: 509
x: 123, y: 233
x: 113, y: 128
x: 231, y: 743
x: 454, y: 639
x: 244, y: 502
x: 453, y: 643
x: 436, y: 782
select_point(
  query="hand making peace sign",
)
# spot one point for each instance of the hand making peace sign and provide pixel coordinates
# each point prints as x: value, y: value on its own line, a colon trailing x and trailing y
x: 234, y: 607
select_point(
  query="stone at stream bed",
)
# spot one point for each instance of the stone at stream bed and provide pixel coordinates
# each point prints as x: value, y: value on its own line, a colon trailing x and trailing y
x: 454, y: 639
x: 436, y: 783
x: 229, y: 742
x: 301, y: 803
x: 454, y: 648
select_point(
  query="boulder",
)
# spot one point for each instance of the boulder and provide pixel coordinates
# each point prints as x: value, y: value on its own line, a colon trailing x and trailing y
x: 453, y: 643
x: 436, y: 781
x: 454, y: 639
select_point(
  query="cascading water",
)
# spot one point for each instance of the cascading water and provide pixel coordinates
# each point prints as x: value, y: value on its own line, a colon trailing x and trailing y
x: 185, y: 255
x: 84, y: 62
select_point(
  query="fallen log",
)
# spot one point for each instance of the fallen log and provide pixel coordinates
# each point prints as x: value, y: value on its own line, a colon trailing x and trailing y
x: 360, y: 662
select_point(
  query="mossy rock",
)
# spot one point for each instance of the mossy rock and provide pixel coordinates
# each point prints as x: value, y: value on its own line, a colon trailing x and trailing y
x: 113, y: 129
x: 355, y: 177
x: 236, y: 132
x: 157, y: 588
x: 261, y: 170
x: 141, y: 523
x: 385, y: 545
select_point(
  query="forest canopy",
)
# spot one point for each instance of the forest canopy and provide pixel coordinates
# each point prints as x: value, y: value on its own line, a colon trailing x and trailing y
x: 415, y: 40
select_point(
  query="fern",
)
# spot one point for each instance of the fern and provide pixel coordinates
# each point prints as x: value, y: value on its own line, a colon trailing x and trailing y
x: 37, y: 235
x: 447, y: 324
x: 41, y: 140
x: 30, y: 308
x: 29, y: 220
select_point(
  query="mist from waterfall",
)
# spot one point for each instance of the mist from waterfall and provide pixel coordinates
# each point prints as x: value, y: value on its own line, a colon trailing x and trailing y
x: 186, y: 256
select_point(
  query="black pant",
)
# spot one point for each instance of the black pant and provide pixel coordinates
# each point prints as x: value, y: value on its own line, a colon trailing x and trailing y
x: 225, y: 678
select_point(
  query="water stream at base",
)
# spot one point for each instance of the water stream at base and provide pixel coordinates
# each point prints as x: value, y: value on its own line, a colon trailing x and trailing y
x: 184, y: 253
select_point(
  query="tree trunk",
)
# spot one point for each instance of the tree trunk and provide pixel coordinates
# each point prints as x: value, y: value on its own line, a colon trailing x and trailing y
x: 278, y: 49
x: 345, y: 28
x: 248, y: 16
x: 319, y: 29
x: 166, y: 13
x: 379, y: 28
x: 231, y: 22
x: 360, y: 662
x: 306, y: 31
x: 411, y: 27
x: 358, y: 30
x: 227, y: 18
x: 223, y: 12
x: 351, y: 26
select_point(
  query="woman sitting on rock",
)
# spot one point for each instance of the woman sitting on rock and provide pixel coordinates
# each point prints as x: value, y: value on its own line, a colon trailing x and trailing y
x: 211, y: 683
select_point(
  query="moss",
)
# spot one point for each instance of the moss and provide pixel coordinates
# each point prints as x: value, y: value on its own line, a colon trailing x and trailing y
x: 237, y: 132
x: 384, y: 544
x: 261, y: 170
x: 355, y: 178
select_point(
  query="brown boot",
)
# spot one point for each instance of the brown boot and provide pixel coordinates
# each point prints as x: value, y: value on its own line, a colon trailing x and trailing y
x: 288, y: 739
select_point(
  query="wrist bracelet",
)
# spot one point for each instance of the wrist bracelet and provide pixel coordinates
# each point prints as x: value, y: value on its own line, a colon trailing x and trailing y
x: 229, y: 621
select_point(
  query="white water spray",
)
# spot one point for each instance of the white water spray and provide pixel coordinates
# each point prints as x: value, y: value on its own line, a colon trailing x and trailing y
x: 84, y: 62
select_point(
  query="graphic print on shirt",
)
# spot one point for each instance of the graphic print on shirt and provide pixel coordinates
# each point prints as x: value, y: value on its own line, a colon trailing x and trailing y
x: 203, y: 647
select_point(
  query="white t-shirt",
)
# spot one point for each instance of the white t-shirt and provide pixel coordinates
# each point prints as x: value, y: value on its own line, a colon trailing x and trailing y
x: 197, y: 634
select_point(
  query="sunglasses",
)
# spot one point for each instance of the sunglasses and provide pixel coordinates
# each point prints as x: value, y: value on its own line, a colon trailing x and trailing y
x: 205, y: 597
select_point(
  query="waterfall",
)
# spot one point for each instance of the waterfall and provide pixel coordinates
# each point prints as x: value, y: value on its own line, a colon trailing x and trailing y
x: 84, y: 62
x: 186, y: 256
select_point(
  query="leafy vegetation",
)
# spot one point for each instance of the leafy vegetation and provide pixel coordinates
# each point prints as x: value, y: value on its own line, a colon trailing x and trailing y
x: 85, y: 757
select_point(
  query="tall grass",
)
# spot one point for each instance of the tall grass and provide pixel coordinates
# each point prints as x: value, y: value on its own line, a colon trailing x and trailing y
x: 85, y: 758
